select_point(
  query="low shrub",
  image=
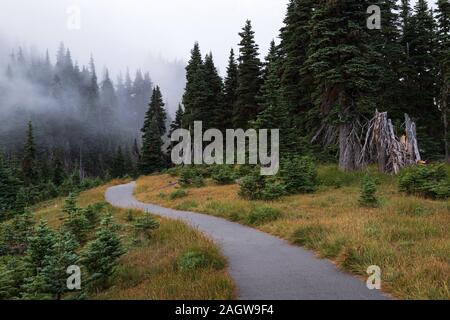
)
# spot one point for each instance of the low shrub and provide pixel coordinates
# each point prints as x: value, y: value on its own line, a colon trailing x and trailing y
x: 262, y: 215
x: 273, y: 190
x: 368, y: 197
x: 144, y: 227
x: 298, y: 174
x: 429, y: 181
x: 252, y: 186
x: 195, y: 259
x: 177, y: 194
x: 223, y: 174
x: 175, y: 171
x: 191, y: 176
x: 93, y: 211
x: 129, y: 217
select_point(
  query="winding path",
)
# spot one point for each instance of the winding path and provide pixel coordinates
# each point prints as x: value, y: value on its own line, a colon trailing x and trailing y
x: 262, y: 266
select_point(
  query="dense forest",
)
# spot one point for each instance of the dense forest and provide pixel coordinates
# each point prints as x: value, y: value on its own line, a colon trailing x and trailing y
x: 323, y: 83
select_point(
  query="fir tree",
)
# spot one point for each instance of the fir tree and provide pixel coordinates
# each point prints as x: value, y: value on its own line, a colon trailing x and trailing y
x: 40, y: 246
x: 144, y: 226
x: 156, y: 111
x: 195, y: 95
x: 387, y: 43
x: 58, y: 172
x: 9, y: 187
x: 101, y: 255
x: 274, y: 114
x: 175, y: 125
x: 29, y: 170
x: 443, y: 54
x: 54, y: 273
x: 368, y: 191
x: 296, y: 81
x: 152, y: 157
x: 249, y: 79
x: 15, y: 235
x: 230, y: 91
x: 422, y: 55
x: 214, y: 95
x: 345, y: 84
x: 118, y: 169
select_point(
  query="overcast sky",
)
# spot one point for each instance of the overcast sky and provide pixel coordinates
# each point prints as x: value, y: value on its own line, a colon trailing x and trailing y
x: 122, y: 33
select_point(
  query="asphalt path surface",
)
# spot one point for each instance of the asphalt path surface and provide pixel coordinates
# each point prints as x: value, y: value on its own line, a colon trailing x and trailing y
x: 262, y: 266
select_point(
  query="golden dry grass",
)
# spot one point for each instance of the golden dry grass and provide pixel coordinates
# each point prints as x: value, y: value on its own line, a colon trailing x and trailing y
x: 149, y: 271
x: 408, y: 237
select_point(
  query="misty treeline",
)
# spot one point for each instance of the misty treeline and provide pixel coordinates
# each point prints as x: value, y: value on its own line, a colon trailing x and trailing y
x: 79, y: 117
x: 63, y: 128
x: 323, y: 83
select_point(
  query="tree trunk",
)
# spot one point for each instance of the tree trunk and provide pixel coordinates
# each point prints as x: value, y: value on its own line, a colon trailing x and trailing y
x: 349, y: 147
x: 445, y: 119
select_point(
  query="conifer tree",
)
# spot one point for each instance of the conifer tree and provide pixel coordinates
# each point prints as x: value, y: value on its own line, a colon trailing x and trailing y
x: 54, y: 273
x: 230, y: 91
x: 176, y: 124
x: 118, y: 169
x: 101, y: 255
x: 152, y: 157
x: 344, y: 83
x: 274, y: 113
x: 58, y: 172
x: 249, y: 79
x: 214, y: 95
x: 387, y: 43
x: 195, y: 95
x: 40, y: 246
x: 9, y: 187
x: 29, y: 170
x: 422, y: 55
x: 368, y: 193
x: 295, y: 37
x: 156, y: 111
x: 15, y: 235
x: 443, y: 54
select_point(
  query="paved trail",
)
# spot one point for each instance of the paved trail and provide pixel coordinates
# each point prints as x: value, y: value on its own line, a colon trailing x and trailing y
x: 262, y: 266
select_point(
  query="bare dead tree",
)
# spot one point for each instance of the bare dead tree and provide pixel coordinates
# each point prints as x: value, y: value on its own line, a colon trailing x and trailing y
x: 382, y: 145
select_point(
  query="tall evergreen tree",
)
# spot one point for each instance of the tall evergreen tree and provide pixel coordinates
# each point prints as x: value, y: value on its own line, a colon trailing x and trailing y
x: 274, y: 114
x: 443, y: 54
x: 176, y: 124
x: 29, y: 169
x: 249, y: 79
x: 230, y: 91
x: 118, y: 169
x: 422, y: 55
x: 9, y: 187
x: 214, y: 95
x: 195, y: 95
x: 344, y: 71
x: 387, y: 43
x: 296, y: 81
x: 152, y: 156
x: 156, y: 111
